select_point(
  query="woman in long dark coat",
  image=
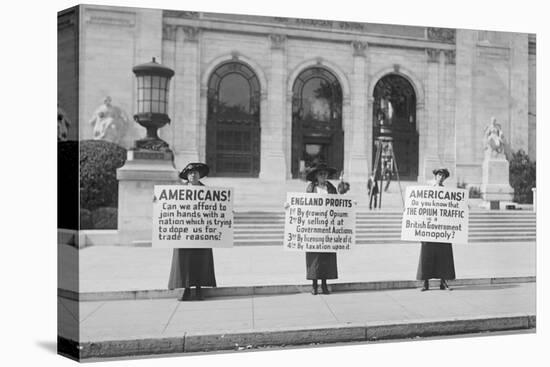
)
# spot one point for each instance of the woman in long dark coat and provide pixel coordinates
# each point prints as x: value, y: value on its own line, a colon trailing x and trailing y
x: 321, y: 265
x: 436, y: 258
x: 192, y: 266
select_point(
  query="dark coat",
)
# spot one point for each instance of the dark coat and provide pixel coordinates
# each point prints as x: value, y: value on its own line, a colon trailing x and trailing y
x: 436, y: 261
x: 192, y: 267
x: 321, y: 265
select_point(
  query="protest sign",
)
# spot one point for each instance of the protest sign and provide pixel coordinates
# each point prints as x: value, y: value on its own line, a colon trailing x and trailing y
x: 319, y: 223
x: 192, y: 217
x: 435, y: 214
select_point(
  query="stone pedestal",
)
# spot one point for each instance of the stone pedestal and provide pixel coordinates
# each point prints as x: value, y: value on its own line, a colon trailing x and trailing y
x: 495, y: 183
x: 136, y: 180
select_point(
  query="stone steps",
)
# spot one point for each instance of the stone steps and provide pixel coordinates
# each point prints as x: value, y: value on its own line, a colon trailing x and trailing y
x: 261, y: 228
x: 267, y: 228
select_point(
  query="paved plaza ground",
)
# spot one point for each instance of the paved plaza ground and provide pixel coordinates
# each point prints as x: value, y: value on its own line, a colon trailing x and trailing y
x: 262, y: 299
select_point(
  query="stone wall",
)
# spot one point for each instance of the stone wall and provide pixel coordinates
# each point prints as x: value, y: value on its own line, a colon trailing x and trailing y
x: 492, y: 79
x: 532, y: 97
x: 67, y: 67
x: 113, y: 41
x: 461, y: 79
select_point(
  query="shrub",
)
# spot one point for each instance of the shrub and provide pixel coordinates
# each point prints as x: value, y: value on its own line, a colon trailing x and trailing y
x: 522, y: 176
x: 99, y: 161
x: 105, y: 218
x: 86, y: 219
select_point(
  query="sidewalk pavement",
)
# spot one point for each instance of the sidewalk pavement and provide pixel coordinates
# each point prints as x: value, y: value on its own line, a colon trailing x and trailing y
x: 106, y: 270
x: 155, y: 326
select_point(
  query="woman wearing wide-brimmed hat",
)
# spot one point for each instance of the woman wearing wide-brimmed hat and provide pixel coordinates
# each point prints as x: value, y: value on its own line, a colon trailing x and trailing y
x: 436, y: 258
x: 192, y: 267
x: 321, y: 265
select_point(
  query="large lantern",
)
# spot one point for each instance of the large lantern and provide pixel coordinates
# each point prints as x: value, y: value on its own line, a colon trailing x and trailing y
x: 153, y: 80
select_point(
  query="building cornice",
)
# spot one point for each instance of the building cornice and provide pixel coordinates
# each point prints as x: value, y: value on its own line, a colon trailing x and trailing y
x: 344, y: 34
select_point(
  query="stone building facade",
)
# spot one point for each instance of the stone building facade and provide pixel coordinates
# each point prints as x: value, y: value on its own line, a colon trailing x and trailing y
x: 264, y: 97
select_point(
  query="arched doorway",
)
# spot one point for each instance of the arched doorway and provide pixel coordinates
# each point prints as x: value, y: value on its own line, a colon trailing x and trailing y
x: 317, y: 134
x: 395, y: 107
x: 233, y: 121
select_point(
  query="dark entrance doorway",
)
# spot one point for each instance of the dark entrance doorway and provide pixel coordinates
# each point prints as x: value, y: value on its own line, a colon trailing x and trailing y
x: 233, y: 121
x: 395, y: 108
x: 317, y: 134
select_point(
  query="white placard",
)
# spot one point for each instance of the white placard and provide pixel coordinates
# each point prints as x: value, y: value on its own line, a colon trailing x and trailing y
x: 319, y: 223
x: 435, y: 214
x: 192, y: 216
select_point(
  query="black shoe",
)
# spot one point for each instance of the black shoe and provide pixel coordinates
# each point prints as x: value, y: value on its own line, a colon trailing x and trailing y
x: 444, y: 286
x: 314, y: 287
x: 324, y: 287
x: 425, y: 287
x: 186, y: 296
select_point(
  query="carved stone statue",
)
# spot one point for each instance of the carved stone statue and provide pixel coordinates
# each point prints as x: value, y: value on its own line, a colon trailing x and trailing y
x: 109, y: 123
x: 63, y: 124
x: 494, y: 139
x: 495, y: 180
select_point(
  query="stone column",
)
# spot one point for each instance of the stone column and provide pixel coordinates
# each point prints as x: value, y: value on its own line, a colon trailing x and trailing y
x: 166, y: 133
x: 288, y: 133
x: 421, y: 118
x: 358, y: 166
x: 429, y: 132
x: 369, y: 136
x: 447, y: 119
x: 465, y: 128
x: 519, y: 91
x: 272, y: 164
x: 187, y: 90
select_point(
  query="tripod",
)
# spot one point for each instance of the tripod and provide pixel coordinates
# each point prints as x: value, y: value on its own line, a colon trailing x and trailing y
x: 385, y: 164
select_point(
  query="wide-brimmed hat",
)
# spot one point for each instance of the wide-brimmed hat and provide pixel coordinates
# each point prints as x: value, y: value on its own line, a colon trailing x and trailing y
x: 311, y: 174
x: 201, y: 168
x: 443, y: 171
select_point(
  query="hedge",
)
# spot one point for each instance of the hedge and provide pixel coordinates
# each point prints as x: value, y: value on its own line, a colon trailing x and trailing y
x: 523, y: 176
x: 99, y: 161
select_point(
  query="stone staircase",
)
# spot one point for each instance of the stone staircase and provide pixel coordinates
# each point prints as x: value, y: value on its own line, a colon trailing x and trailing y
x: 374, y: 227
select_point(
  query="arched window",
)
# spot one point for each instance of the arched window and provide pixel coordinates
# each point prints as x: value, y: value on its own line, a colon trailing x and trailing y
x: 317, y: 98
x: 233, y: 122
x: 394, y: 115
x: 234, y: 93
x: 317, y: 134
x: 395, y: 103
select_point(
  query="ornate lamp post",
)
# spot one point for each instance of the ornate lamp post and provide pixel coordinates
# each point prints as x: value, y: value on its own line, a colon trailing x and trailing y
x: 153, y: 80
x: 150, y: 162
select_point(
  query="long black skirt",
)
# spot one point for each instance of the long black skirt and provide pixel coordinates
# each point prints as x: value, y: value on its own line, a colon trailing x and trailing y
x: 321, y: 265
x: 191, y: 268
x: 436, y: 261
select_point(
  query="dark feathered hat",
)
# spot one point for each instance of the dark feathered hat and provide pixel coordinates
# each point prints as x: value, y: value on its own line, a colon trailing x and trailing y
x: 201, y: 168
x: 311, y: 174
x: 443, y: 171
